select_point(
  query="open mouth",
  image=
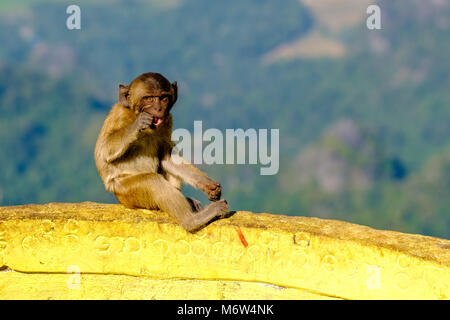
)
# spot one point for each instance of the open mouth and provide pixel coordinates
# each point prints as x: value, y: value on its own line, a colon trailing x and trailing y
x: 157, y: 121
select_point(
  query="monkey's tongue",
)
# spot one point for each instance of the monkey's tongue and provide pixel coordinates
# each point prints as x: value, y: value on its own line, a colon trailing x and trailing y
x: 157, y: 121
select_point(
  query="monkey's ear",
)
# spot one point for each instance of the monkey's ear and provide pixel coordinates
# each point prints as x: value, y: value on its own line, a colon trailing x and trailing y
x: 175, y: 92
x: 123, y: 95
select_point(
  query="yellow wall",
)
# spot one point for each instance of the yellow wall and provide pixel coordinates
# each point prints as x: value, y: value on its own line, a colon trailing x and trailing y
x: 141, y: 254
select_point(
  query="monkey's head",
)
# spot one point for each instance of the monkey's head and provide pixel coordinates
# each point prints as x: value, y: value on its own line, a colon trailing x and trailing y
x: 151, y: 93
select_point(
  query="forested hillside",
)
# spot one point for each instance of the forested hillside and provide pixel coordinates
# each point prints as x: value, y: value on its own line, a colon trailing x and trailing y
x: 364, y: 135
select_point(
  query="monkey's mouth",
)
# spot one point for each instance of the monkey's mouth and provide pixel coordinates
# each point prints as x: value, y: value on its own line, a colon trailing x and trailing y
x: 157, y: 121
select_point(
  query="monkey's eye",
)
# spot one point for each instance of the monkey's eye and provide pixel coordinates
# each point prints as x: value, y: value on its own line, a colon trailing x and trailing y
x: 150, y: 99
x: 165, y: 99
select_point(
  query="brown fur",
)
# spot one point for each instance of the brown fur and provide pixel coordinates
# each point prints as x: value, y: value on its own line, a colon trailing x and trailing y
x: 134, y: 155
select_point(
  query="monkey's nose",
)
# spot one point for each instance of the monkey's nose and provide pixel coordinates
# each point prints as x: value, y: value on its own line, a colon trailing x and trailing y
x: 159, y: 114
x: 159, y: 111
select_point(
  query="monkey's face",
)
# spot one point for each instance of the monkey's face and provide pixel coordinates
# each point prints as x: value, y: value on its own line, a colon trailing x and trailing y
x: 150, y: 93
x: 157, y: 106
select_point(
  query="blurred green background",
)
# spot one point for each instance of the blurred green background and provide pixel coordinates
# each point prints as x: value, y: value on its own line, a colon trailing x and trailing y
x: 364, y: 115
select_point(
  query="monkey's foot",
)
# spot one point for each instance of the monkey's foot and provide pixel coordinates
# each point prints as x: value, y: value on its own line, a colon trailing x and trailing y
x: 221, y: 207
x: 210, y: 213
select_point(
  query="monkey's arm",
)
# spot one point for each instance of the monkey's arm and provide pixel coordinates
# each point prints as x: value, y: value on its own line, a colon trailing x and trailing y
x: 120, y: 130
x: 119, y: 142
x: 181, y: 168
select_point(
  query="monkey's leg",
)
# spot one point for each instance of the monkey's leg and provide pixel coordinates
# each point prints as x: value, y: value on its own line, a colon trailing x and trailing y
x: 152, y: 191
x: 196, y: 206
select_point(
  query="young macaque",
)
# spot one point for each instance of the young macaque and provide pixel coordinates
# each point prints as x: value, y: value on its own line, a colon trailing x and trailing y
x: 134, y: 156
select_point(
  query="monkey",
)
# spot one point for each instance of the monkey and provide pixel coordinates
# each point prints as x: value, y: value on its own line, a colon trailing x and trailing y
x: 136, y: 160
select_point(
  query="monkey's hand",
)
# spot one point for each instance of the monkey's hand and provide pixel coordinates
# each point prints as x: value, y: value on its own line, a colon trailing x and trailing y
x: 212, y: 189
x: 143, y: 121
